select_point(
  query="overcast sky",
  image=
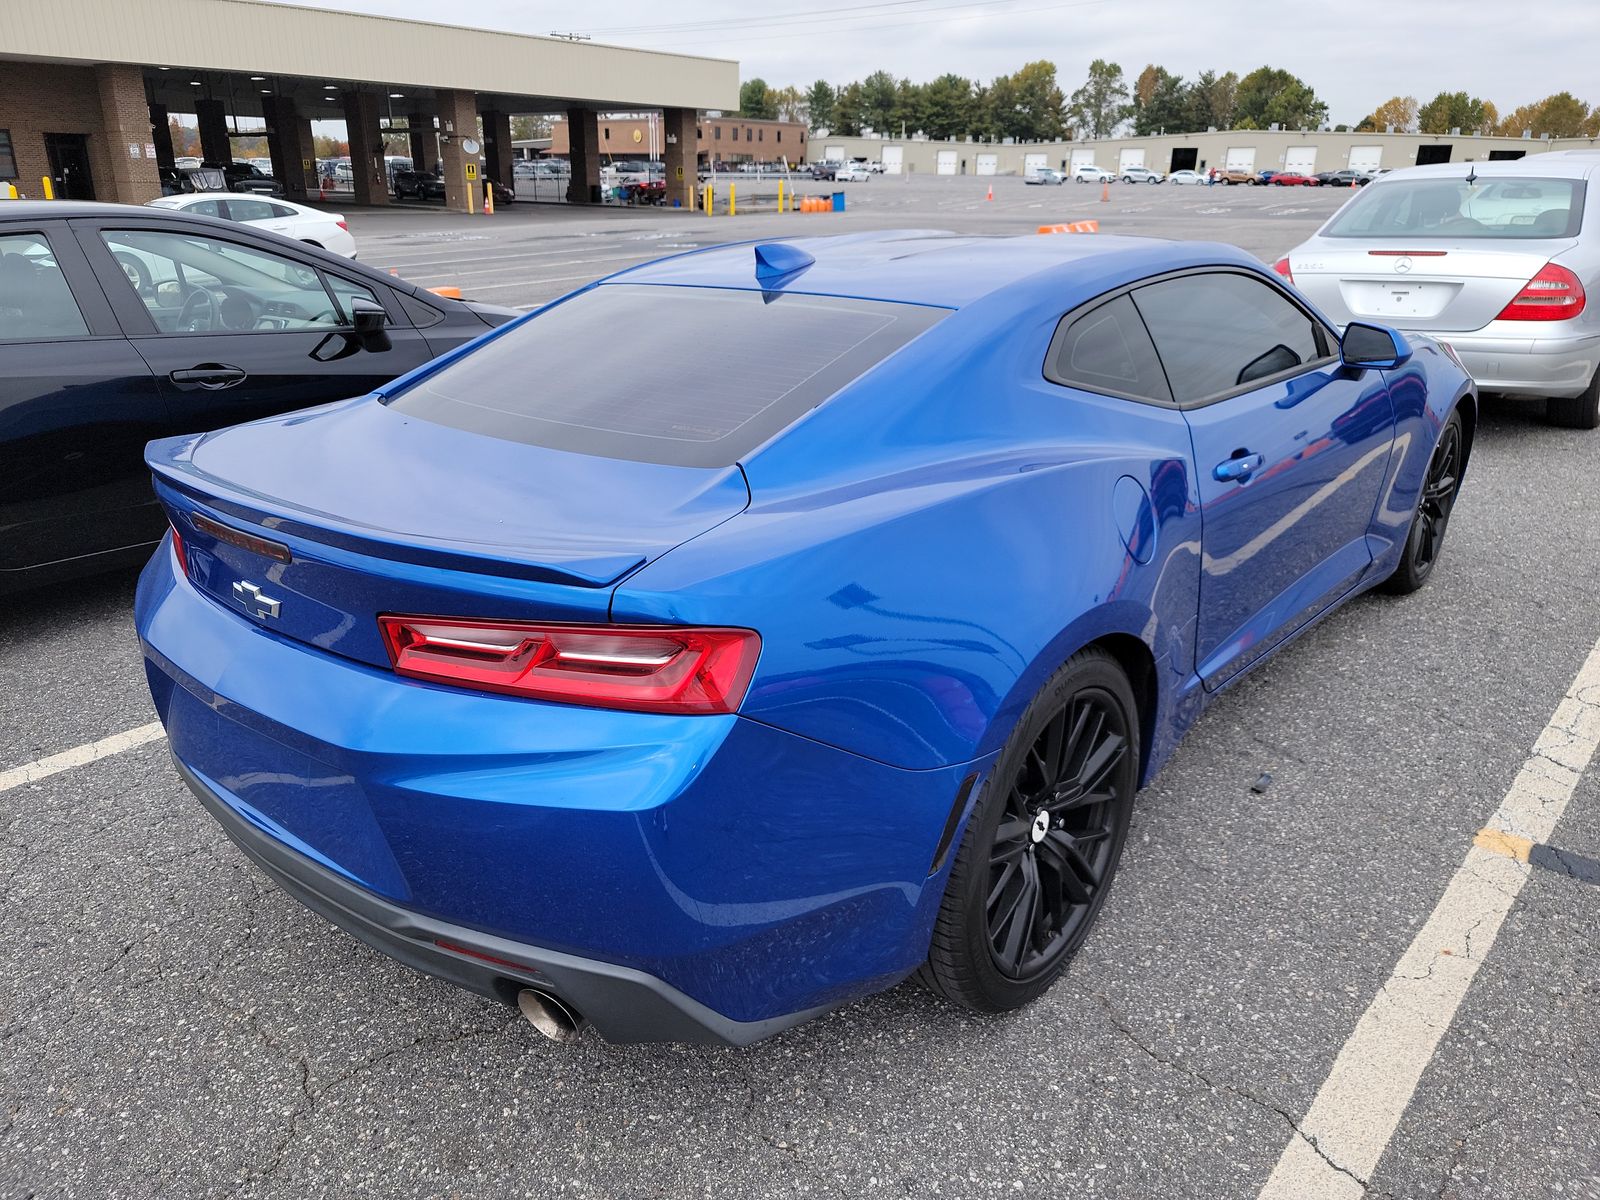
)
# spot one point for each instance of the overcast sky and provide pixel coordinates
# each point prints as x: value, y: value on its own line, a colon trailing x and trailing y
x: 1355, y: 53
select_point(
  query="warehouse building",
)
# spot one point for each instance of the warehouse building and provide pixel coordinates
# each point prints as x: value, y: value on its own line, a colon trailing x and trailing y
x: 1235, y: 150
x: 88, y: 86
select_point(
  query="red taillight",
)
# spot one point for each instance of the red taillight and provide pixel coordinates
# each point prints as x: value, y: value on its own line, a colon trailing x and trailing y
x: 180, y: 551
x: 1282, y: 268
x: 656, y: 668
x: 1554, y: 294
x: 340, y: 223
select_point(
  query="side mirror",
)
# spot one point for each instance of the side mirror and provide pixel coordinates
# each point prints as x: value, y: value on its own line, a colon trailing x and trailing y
x: 1377, y: 346
x: 369, y: 324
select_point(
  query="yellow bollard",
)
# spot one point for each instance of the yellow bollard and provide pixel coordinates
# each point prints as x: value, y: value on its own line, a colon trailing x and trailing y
x: 711, y: 201
x: 780, y: 195
x: 49, y: 192
x: 733, y: 202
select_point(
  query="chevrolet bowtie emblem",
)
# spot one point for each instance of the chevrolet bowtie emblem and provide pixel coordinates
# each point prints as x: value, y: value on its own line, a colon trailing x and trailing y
x: 256, y: 602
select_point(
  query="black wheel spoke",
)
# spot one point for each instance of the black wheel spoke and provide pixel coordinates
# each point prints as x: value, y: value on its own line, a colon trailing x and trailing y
x: 1078, y: 877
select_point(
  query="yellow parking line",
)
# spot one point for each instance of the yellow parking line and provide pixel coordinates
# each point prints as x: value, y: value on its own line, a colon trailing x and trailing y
x: 1498, y: 841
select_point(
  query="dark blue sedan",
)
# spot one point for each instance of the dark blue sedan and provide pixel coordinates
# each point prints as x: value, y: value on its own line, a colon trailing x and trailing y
x: 751, y: 630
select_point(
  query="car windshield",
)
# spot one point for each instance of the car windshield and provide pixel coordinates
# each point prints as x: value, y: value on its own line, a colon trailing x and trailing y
x: 1487, y: 207
x: 627, y: 371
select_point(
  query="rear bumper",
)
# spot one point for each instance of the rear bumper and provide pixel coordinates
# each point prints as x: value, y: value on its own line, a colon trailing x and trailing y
x: 623, y: 1005
x: 743, y: 876
x: 1526, y: 366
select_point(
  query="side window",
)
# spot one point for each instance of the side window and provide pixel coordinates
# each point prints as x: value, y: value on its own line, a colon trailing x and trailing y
x: 1221, y: 331
x: 196, y: 284
x: 344, y: 291
x: 206, y: 208
x: 282, y: 210
x: 249, y: 210
x: 35, y: 301
x: 1108, y: 350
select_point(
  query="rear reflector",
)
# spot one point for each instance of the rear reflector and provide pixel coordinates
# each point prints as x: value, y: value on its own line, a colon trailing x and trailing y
x: 1282, y: 268
x: 1554, y: 294
x: 276, y: 551
x: 655, y: 668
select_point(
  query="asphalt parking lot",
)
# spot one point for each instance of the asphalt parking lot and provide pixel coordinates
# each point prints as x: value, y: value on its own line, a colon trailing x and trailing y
x: 171, y: 1024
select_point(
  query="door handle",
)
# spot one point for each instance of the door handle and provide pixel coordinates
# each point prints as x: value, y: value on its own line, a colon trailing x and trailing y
x: 211, y: 376
x: 1238, y: 468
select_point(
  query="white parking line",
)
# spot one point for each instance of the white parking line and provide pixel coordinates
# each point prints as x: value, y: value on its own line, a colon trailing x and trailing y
x: 1338, y: 1144
x: 43, y: 768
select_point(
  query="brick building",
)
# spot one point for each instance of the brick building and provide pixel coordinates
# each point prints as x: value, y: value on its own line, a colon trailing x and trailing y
x: 719, y: 139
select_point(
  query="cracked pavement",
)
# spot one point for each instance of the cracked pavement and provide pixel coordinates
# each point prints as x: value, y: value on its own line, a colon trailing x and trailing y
x: 172, y: 1025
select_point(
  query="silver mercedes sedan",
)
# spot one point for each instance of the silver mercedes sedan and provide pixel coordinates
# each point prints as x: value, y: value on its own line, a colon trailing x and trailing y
x: 1496, y: 259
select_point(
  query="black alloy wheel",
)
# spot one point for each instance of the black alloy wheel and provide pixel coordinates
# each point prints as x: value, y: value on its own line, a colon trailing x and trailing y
x: 1051, y: 850
x: 1440, y: 488
x: 1043, y: 841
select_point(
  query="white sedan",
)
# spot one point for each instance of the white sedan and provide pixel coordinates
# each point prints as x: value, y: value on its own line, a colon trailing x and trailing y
x: 856, y: 172
x: 296, y: 221
x: 1186, y: 177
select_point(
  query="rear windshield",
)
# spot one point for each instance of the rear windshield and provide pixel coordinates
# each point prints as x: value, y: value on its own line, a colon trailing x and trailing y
x: 1497, y: 207
x: 693, y: 377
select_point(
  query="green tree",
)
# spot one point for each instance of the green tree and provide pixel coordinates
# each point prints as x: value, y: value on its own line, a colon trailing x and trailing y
x: 848, y: 109
x: 910, y: 106
x: 1211, y: 101
x: 949, y: 110
x: 757, y: 100
x: 1563, y: 115
x: 1160, y: 102
x: 820, y: 105
x: 876, y: 104
x: 791, y: 102
x: 1452, y: 110
x: 526, y: 128
x: 1270, y: 96
x: 1101, y: 104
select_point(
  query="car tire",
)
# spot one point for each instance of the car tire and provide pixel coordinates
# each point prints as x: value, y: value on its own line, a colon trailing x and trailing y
x: 981, y: 956
x: 138, y: 274
x: 1576, y: 412
x: 1431, y: 518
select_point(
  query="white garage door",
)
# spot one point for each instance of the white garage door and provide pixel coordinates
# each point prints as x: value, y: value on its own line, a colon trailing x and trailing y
x: 987, y: 163
x: 893, y: 158
x: 1082, y: 158
x: 834, y: 154
x: 1301, y: 160
x: 1032, y: 163
x: 947, y: 162
x: 1241, y: 158
x: 1130, y: 158
x: 1365, y: 158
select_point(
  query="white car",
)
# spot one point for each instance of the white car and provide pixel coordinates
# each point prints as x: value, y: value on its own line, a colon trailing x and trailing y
x: 296, y: 221
x: 853, y: 171
x: 1141, y: 175
x: 1089, y: 173
x: 1044, y: 175
x: 1185, y: 177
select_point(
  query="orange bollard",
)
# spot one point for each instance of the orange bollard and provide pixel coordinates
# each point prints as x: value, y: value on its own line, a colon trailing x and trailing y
x: 990, y: 196
x: 1105, y: 193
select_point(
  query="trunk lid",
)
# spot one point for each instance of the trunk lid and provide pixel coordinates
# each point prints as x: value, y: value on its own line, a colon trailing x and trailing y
x: 1437, y: 288
x: 313, y: 524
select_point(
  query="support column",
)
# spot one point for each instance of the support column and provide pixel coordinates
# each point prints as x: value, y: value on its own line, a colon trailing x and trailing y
x: 497, y: 146
x: 458, y: 120
x: 583, y: 150
x: 161, y: 135
x: 215, y: 145
x: 285, y: 134
x: 424, y: 149
x: 366, y: 148
x: 678, y: 126
x: 125, y: 120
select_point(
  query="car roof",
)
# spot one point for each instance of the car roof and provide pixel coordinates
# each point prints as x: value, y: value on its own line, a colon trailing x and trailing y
x: 934, y: 267
x: 1556, y: 165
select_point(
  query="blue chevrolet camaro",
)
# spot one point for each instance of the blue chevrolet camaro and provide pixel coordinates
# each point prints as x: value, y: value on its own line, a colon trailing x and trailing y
x: 827, y: 644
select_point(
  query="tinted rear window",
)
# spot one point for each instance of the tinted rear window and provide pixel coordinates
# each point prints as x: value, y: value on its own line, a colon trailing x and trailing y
x: 1489, y: 207
x: 693, y: 377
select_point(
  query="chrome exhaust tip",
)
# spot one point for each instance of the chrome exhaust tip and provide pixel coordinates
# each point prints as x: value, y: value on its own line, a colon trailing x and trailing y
x: 550, y: 1016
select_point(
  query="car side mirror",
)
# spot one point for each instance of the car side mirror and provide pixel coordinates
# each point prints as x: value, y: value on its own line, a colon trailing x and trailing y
x: 369, y: 323
x: 1377, y: 346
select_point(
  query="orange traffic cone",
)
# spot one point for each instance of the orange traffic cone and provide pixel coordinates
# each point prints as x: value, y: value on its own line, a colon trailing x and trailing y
x: 990, y: 196
x: 1105, y: 193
